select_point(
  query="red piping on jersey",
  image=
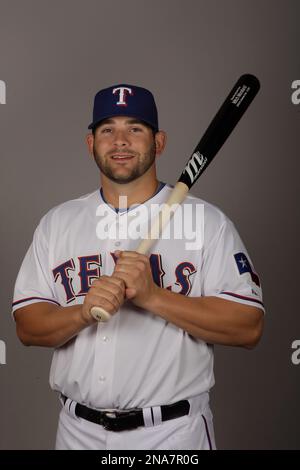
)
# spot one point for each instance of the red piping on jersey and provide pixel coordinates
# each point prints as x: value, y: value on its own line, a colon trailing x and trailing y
x: 32, y: 298
x: 243, y: 297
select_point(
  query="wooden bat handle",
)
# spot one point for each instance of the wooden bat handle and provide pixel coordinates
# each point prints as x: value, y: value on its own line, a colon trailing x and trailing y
x: 100, y: 314
x: 164, y: 216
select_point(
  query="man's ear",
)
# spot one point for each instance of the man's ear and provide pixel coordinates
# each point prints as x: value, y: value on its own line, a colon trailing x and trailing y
x: 90, y: 142
x: 160, y: 142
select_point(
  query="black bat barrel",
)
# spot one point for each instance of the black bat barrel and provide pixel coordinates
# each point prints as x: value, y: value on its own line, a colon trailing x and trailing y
x: 231, y: 111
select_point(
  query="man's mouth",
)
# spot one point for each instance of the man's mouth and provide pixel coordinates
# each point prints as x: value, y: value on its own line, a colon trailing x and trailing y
x: 122, y: 157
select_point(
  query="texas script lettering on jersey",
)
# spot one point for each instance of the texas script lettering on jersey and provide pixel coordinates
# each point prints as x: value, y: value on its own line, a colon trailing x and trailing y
x: 88, y: 268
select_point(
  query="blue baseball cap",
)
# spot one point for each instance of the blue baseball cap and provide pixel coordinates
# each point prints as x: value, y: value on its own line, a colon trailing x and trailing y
x: 125, y: 100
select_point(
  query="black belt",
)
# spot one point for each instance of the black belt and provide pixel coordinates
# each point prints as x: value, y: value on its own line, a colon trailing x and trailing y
x: 124, y: 420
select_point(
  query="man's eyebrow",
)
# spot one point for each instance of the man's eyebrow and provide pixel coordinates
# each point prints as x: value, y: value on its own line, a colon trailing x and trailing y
x: 128, y: 121
x: 106, y: 121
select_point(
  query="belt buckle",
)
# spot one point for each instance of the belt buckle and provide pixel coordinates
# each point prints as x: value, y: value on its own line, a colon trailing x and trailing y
x: 114, y: 421
x: 108, y: 420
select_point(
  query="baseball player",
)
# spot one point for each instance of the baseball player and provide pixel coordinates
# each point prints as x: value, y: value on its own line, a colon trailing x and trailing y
x: 142, y: 379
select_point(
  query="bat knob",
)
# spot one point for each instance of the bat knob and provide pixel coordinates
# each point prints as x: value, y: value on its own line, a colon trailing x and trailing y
x: 100, y: 314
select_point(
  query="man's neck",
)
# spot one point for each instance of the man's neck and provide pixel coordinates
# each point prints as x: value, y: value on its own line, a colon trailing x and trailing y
x: 136, y: 192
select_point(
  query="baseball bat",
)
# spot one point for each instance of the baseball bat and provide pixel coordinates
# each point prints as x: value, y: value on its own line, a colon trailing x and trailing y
x: 229, y: 114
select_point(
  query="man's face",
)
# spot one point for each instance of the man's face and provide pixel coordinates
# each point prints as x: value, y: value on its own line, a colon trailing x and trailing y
x: 123, y: 148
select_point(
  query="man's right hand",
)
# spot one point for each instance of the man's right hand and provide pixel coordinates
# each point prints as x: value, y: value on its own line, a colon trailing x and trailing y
x: 107, y: 292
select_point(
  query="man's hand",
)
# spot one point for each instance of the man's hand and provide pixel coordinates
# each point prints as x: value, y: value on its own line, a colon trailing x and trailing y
x: 134, y: 269
x: 107, y: 292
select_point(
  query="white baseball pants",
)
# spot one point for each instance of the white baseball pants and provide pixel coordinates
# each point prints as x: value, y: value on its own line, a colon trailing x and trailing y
x: 191, y: 432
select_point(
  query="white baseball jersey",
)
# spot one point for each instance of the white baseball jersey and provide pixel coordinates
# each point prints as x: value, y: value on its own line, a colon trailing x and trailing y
x: 137, y: 359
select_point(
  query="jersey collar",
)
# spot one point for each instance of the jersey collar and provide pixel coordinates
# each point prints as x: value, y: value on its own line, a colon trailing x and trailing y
x: 161, y: 186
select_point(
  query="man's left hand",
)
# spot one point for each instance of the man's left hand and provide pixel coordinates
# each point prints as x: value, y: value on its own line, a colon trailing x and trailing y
x: 135, y: 270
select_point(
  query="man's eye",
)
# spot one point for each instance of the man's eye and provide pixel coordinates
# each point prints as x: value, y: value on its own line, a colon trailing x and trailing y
x: 106, y: 130
x: 136, y: 129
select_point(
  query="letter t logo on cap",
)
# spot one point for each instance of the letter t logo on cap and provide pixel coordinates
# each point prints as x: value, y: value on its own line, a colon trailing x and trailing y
x: 122, y: 95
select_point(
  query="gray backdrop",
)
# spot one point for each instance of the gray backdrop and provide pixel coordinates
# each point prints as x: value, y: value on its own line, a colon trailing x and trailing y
x: 54, y: 57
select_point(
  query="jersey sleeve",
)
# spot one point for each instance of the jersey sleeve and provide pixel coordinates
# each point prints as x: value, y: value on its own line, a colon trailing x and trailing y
x: 228, y: 271
x: 35, y: 281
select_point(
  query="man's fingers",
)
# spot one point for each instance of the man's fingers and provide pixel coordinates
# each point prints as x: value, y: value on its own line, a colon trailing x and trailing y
x: 109, y: 288
x: 96, y: 297
x: 108, y: 280
x: 128, y: 280
x: 109, y: 283
x: 111, y: 306
x: 135, y: 268
x: 130, y: 293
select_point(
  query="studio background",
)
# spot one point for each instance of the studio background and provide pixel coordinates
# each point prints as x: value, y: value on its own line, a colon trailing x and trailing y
x: 54, y: 56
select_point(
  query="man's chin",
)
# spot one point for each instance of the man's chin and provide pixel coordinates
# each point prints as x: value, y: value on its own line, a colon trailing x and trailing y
x: 122, y: 179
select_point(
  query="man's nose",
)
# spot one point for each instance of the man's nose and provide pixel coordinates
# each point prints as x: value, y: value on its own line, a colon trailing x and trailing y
x: 121, y: 138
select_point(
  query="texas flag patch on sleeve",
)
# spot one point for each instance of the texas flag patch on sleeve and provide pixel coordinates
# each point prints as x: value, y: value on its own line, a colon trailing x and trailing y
x: 244, y: 266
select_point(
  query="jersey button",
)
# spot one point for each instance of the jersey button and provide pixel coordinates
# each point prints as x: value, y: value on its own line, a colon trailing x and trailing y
x: 117, y: 243
x: 105, y: 339
x: 102, y: 378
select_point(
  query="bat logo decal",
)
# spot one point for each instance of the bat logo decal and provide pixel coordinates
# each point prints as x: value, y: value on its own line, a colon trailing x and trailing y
x: 195, y: 165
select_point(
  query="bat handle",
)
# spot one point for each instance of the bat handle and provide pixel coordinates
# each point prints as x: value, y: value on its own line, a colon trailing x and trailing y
x: 100, y: 314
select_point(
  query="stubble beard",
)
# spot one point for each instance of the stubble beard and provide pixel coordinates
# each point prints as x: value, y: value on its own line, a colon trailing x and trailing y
x: 143, y: 165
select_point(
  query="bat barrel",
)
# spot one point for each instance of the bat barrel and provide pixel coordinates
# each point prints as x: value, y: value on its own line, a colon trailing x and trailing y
x: 231, y: 111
